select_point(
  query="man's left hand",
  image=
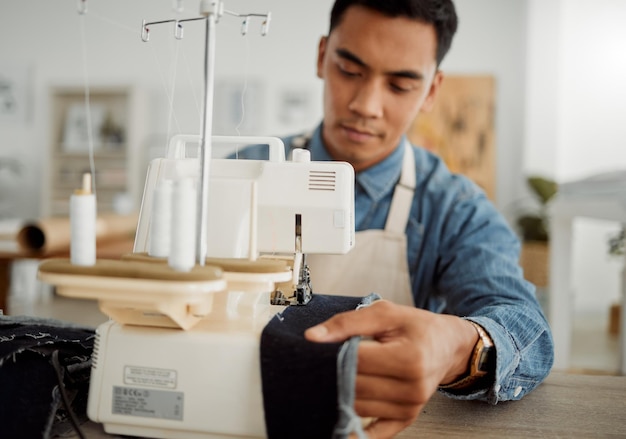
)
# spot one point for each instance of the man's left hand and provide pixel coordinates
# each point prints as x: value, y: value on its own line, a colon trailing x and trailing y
x: 409, y: 353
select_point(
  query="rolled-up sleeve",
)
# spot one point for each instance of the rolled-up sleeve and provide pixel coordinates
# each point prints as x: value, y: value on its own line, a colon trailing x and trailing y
x: 479, y: 276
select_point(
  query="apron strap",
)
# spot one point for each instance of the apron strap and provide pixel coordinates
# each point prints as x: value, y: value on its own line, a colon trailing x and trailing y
x: 403, y: 194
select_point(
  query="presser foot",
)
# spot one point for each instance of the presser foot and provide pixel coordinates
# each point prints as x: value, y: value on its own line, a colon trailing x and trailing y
x: 301, y: 294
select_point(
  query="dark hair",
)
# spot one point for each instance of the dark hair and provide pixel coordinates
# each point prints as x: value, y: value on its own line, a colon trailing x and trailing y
x: 440, y: 13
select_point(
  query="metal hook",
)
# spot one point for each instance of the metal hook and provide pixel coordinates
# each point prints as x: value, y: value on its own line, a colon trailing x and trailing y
x: 145, y: 32
x: 220, y: 11
x: 211, y: 5
x: 244, y: 26
x: 82, y: 7
x: 266, y: 24
x: 178, y: 30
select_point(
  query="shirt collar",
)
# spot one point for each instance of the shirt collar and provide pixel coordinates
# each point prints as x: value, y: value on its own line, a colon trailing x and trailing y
x: 376, y: 181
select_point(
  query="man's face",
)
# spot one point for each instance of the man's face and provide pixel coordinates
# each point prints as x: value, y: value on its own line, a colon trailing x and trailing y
x: 379, y: 72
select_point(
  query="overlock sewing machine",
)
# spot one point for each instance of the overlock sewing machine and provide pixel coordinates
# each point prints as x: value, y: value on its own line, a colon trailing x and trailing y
x: 179, y: 357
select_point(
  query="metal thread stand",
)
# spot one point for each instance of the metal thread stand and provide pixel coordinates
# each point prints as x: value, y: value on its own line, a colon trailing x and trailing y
x: 211, y: 11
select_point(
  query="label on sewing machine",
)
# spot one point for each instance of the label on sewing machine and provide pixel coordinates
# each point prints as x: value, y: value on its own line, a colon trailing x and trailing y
x: 148, y: 403
x: 149, y: 376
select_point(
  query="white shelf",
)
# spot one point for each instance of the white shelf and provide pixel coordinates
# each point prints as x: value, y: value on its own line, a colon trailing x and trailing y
x: 117, y: 133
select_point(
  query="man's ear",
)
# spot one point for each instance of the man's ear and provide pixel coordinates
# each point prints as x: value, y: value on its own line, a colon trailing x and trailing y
x: 321, y: 53
x: 429, y: 102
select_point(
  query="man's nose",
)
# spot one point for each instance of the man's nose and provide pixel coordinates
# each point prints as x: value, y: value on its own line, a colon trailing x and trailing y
x: 368, y: 100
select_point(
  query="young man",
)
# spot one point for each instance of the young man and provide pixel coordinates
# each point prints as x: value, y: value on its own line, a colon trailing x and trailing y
x: 459, y: 316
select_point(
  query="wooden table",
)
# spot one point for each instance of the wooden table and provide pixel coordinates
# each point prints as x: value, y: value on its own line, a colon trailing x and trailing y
x: 564, y: 406
x: 107, y: 250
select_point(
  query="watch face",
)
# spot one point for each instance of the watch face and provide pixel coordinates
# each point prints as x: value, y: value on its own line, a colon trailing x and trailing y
x: 486, y: 359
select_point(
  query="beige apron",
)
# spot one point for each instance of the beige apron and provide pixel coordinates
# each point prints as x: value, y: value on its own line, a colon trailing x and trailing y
x: 378, y: 261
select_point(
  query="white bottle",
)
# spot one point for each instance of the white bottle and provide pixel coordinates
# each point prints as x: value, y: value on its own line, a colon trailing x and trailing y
x: 83, y: 224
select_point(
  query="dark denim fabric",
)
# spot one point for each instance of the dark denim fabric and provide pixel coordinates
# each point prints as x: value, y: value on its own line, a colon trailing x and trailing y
x: 303, y: 388
x: 30, y: 399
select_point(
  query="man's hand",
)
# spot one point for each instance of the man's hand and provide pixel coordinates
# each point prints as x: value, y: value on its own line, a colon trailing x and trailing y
x: 411, y: 352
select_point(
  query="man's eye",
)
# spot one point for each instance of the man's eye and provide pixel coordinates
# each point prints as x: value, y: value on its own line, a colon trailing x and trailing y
x: 399, y: 89
x: 347, y: 72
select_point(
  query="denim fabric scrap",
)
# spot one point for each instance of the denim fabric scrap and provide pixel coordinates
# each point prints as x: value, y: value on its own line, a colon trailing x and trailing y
x: 306, y: 385
x: 30, y: 399
x: 347, y: 361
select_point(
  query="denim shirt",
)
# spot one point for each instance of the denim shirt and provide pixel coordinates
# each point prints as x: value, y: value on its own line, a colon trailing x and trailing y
x: 463, y: 260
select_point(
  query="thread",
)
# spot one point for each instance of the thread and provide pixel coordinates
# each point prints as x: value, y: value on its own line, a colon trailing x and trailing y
x: 243, y: 95
x: 161, y: 220
x: 194, y: 93
x: 182, y: 256
x: 83, y: 224
x: 174, y: 72
x: 92, y: 163
x: 242, y: 101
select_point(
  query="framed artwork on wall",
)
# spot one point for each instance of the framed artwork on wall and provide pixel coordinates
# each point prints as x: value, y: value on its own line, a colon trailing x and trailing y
x: 461, y: 128
x: 75, y: 131
x: 14, y: 93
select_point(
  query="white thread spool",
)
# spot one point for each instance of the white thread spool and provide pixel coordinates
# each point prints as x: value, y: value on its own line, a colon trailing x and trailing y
x: 161, y: 220
x: 182, y: 255
x: 83, y: 224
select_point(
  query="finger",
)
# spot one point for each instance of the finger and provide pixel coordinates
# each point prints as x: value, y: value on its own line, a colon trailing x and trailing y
x: 380, y: 388
x: 375, y: 319
x: 395, y: 358
x: 370, y: 408
x: 386, y: 428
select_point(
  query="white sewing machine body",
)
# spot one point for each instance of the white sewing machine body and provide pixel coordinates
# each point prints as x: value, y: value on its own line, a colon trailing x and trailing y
x: 204, y: 382
x: 321, y: 193
x: 182, y: 361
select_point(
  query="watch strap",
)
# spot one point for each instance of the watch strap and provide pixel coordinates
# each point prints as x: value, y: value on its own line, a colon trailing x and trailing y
x: 474, y: 374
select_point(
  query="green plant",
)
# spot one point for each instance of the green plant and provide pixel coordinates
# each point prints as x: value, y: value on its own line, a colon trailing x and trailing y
x: 534, y: 226
x: 617, y: 243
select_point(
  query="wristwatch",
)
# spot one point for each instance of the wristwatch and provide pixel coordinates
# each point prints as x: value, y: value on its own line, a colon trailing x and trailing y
x: 481, y: 363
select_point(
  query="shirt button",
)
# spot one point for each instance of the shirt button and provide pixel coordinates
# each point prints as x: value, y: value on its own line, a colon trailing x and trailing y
x: 518, y: 390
